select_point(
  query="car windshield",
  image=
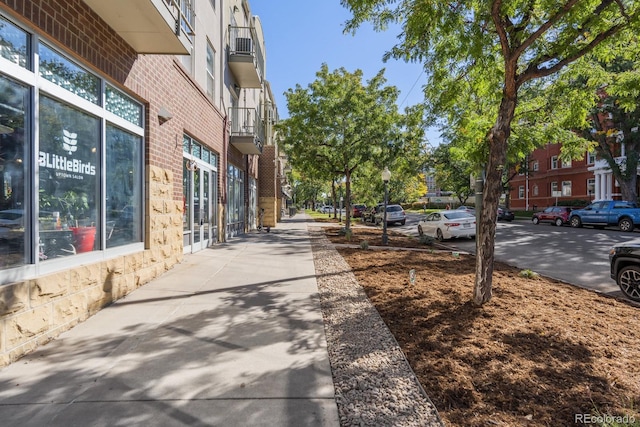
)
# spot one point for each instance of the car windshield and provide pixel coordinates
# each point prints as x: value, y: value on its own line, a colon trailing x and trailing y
x: 457, y: 215
x: 394, y: 208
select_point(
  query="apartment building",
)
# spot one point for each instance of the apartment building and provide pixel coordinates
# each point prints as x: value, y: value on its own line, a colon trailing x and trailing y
x: 549, y: 181
x: 130, y: 134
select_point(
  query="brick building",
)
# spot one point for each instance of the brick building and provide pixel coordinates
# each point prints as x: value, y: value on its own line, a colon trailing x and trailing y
x: 130, y: 134
x: 550, y: 181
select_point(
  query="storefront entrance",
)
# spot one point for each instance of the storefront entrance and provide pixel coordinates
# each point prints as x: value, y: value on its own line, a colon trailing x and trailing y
x: 200, y: 211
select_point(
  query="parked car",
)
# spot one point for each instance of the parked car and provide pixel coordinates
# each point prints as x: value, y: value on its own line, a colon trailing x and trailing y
x: 448, y: 225
x: 624, y: 259
x: 558, y: 215
x: 326, y: 209
x: 505, y: 214
x: 357, y: 210
x: 395, y: 213
x: 624, y: 214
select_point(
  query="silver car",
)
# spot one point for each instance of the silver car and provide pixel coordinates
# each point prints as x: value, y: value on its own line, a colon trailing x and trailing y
x: 448, y: 225
x: 395, y: 213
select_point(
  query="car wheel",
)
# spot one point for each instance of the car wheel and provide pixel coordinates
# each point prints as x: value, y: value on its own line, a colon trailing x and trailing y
x: 629, y: 282
x: 575, y: 222
x: 403, y: 222
x: 625, y: 224
x: 420, y: 230
x: 439, y: 235
x: 559, y: 222
x: 535, y: 220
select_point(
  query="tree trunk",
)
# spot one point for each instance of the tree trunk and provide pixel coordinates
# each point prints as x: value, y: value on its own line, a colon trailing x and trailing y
x: 347, y: 199
x: 485, y: 239
x: 628, y: 186
x: 333, y: 197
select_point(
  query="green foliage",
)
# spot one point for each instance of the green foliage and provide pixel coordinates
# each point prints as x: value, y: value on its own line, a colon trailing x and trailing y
x: 529, y: 274
x: 487, y: 63
x: 347, y: 233
x: 427, y: 240
x: 606, y: 88
x: 341, y: 130
x: 364, y: 245
x: 452, y: 171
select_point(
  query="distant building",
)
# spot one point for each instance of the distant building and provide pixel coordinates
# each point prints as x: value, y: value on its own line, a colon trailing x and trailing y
x: 549, y: 181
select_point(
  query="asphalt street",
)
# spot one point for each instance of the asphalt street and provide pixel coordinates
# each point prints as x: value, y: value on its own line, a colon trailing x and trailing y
x: 579, y: 256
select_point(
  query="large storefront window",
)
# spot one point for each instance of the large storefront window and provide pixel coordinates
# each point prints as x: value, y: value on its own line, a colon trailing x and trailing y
x: 124, y: 185
x: 14, y: 100
x: 78, y: 187
x: 69, y: 170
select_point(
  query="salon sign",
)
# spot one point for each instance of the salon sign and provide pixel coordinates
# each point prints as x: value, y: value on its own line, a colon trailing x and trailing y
x: 65, y: 165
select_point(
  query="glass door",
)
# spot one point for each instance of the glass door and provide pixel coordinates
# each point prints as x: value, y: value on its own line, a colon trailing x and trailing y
x: 199, y: 211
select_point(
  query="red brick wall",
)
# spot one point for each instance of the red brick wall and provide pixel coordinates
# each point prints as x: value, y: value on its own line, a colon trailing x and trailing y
x: 156, y: 80
x: 545, y: 175
x: 267, y: 183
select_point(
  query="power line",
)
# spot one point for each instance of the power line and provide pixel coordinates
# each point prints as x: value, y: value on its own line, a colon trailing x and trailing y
x: 410, y: 90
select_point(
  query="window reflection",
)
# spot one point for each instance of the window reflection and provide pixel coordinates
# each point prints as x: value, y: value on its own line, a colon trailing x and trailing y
x: 14, y: 44
x: 14, y: 224
x: 123, y: 106
x: 124, y: 184
x: 59, y: 70
x: 69, y: 171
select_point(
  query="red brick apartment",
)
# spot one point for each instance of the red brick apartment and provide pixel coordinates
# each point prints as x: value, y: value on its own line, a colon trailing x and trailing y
x: 130, y: 135
x: 550, y: 181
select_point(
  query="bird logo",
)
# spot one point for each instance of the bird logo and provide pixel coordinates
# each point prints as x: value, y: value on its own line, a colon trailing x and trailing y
x: 70, y: 143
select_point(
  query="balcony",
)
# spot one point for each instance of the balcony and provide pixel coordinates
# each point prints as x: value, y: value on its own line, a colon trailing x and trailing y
x: 247, y: 130
x: 150, y: 26
x: 246, y: 60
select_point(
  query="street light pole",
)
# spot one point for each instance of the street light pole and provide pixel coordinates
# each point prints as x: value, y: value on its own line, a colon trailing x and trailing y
x: 386, y: 176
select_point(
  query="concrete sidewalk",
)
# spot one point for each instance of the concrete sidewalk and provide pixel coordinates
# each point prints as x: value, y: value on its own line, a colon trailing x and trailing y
x: 232, y: 336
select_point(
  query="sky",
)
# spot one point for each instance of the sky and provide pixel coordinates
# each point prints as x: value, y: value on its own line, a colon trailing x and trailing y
x: 302, y: 35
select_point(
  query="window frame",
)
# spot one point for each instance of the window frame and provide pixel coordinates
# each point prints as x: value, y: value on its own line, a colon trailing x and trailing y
x: 39, y: 87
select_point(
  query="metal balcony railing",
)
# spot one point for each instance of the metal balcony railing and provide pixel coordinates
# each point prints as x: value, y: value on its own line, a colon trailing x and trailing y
x: 244, y: 51
x: 247, y: 130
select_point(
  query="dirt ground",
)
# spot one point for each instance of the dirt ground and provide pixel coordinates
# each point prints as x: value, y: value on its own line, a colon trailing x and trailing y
x: 540, y: 353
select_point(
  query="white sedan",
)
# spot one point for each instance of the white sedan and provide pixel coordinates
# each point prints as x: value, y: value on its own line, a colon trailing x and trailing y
x: 448, y: 225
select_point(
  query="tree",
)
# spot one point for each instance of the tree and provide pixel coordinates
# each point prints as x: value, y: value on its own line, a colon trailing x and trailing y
x: 611, y: 85
x: 338, y: 126
x: 452, y: 172
x: 500, y: 48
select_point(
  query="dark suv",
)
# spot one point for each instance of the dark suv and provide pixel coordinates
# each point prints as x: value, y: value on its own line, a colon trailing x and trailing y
x: 625, y: 267
x: 558, y: 215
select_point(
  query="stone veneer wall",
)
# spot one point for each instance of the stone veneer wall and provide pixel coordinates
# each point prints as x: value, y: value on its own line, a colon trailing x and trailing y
x: 267, y: 186
x: 36, y: 311
x: 269, y: 204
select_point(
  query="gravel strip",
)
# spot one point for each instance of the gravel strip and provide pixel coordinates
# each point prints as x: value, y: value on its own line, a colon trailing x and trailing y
x: 374, y: 384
